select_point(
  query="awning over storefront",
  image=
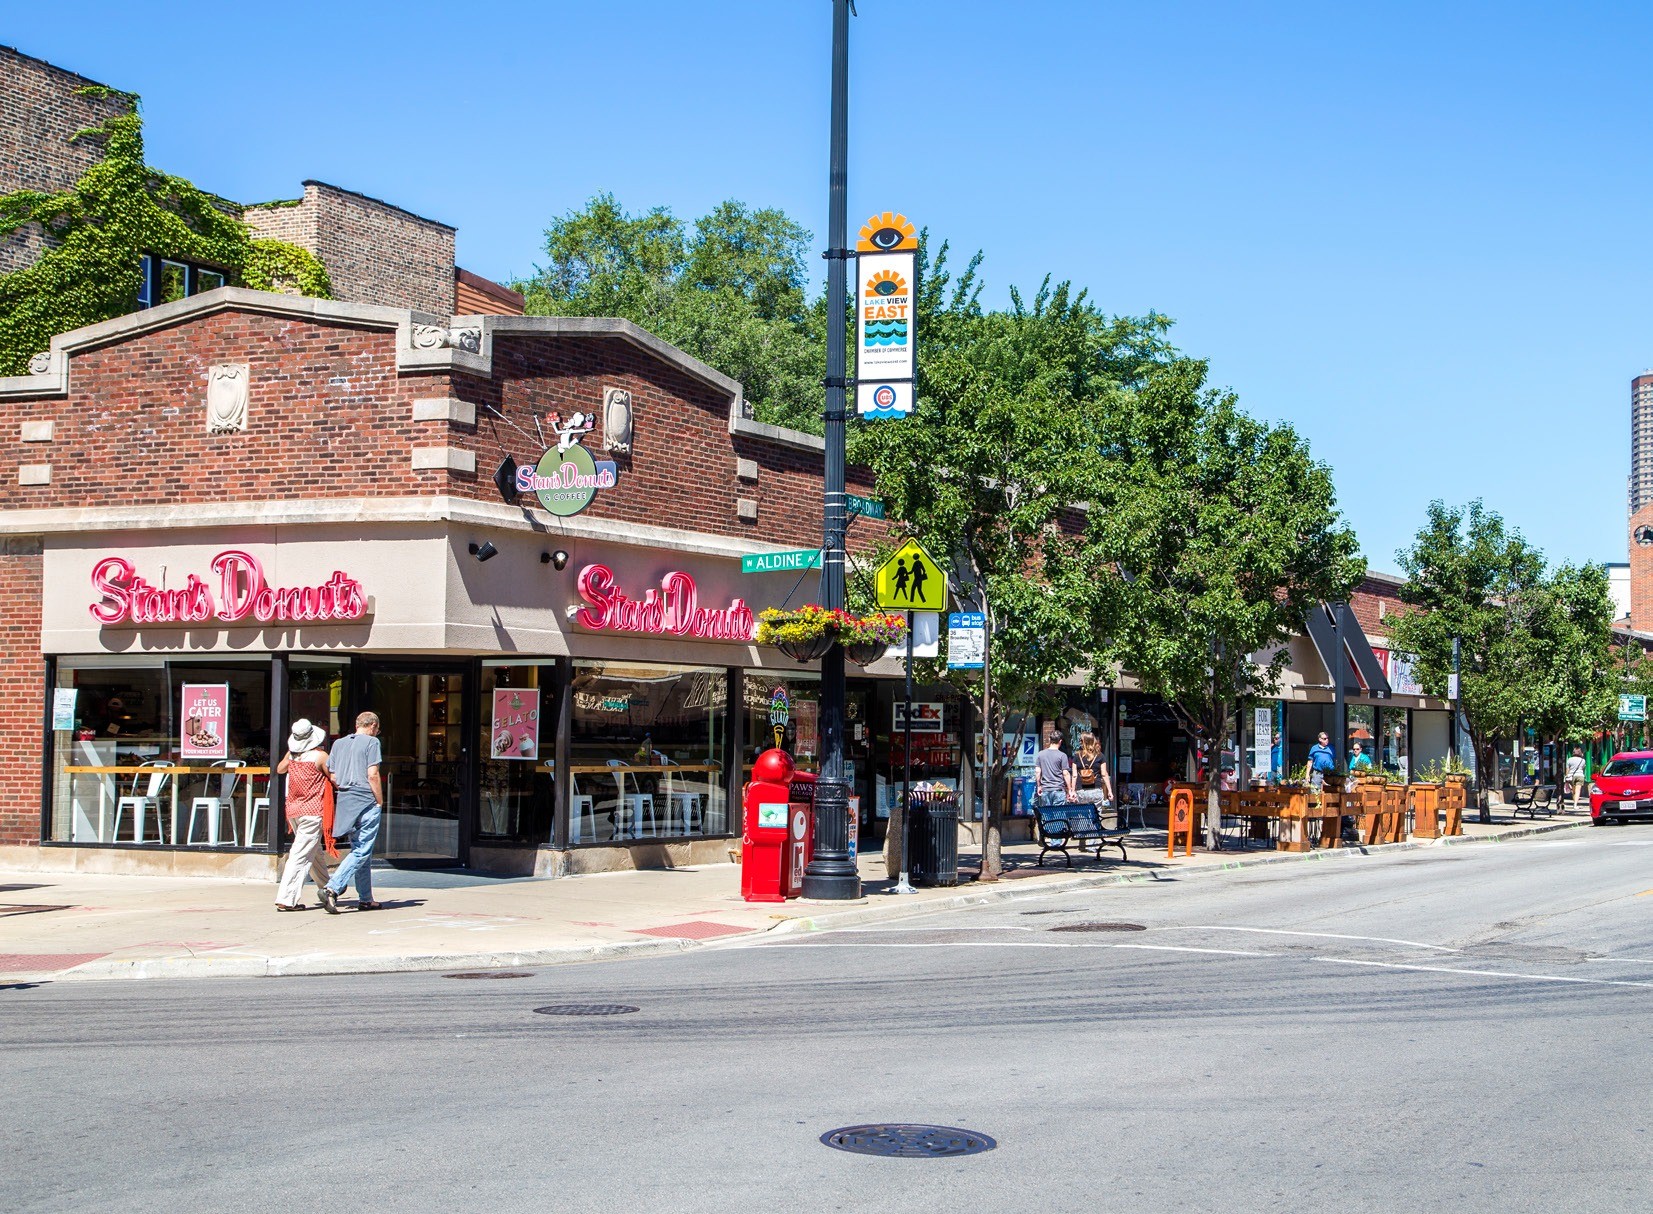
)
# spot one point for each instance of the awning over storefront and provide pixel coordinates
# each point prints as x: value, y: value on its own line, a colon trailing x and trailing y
x: 1356, y: 666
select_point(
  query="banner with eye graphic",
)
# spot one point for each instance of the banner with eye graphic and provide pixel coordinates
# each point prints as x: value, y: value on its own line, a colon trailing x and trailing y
x: 886, y: 281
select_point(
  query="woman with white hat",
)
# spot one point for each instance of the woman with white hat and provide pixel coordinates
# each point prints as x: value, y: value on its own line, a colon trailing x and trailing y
x: 309, y: 812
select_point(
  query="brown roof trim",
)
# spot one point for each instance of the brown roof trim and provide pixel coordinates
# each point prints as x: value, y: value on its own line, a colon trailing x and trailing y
x: 490, y: 288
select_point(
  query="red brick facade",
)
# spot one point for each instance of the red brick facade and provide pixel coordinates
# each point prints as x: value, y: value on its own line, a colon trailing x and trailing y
x: 22, y: 676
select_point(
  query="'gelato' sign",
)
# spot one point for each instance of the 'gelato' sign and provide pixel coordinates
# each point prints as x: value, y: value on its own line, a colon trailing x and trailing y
x: 240, y: 593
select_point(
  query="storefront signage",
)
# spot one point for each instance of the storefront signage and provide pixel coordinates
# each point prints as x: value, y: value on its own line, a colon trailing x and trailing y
x: 781, y: 562
x: 886, y: 274
x: 205, y: 715
x: 566, y: 479
x: 672, y: 609
x: 516, y: 723
x: 927, y: 717
x: 243, y: 595
x: 63, y: 707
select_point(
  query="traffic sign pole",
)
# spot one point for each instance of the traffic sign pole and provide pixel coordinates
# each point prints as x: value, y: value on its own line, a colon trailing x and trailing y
x: 903, y: 886
x: 831, y: 873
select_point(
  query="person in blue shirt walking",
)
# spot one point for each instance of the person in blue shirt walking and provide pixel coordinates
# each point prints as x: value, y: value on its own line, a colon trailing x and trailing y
x: 1322, y: 760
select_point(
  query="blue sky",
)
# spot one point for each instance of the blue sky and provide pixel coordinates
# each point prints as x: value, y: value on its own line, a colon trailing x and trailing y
x: 1417, y: 232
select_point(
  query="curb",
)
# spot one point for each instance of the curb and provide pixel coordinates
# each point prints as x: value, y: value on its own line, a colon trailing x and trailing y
x: 882, y: 912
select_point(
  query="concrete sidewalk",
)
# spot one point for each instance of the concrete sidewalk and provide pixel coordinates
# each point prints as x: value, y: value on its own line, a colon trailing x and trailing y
x: 74, y: 926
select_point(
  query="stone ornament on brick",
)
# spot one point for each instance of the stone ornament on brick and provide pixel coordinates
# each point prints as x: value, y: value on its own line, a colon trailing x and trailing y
x: 227, y: 398
x: 40, y: 364
x: 435, y: 337
x: 617, y: 420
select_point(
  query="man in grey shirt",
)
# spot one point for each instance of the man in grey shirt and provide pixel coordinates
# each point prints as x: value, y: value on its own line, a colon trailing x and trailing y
x: 358, y: 807
x: 1055, y: 772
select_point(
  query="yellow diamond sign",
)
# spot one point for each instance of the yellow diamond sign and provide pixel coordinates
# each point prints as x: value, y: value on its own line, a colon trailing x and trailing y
x: 911, y: 581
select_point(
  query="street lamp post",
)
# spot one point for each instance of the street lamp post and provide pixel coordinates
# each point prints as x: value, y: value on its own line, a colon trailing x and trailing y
x: 831, y: 873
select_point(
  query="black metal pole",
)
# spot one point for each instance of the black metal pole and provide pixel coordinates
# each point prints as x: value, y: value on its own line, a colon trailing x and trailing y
x: 831, y: 873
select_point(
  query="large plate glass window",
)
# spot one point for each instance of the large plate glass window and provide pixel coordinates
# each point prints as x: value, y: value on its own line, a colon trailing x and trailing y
x: 646, y: 752
x: 134, y: 764
x: 516, y: 736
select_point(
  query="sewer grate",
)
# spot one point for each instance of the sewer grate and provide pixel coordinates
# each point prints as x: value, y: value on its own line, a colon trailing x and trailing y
x: 18, y: 908
x: 908, y: 1141
x: 493, y: 974
x: 1098, y: 927
x: 587, y: 1009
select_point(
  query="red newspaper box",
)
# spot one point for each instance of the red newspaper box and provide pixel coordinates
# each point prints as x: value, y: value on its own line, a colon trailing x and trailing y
x: 764, y: 839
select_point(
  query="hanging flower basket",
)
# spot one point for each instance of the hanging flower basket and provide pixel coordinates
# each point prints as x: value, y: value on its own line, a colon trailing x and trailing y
x: 865, y: 653
x: 805, y: 635
x: 810, y: 650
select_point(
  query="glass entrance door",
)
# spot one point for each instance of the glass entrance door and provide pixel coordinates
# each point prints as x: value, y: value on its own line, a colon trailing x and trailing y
x: 421, y: 731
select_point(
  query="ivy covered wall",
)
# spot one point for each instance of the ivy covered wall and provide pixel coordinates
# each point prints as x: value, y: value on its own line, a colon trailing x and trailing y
x: 98, y: 231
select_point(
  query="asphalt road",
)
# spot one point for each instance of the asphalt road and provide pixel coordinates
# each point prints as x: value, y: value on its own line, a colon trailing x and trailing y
x: 1463, y: 1028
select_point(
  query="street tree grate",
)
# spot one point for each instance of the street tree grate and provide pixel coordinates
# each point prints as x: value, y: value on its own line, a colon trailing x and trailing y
x: 1098, y: 927
x: 908, y: 1141
x: 493, y: 974
x: 587, y: 1009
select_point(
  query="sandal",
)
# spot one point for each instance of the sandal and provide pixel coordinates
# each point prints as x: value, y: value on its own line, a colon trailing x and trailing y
x: 370, y: 906
x: 282, y: 906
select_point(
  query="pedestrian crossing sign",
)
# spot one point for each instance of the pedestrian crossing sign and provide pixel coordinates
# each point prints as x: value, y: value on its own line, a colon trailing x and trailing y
x: 910, y: 581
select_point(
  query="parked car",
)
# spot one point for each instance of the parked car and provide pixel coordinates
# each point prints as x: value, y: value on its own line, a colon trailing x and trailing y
x: 1623, y: 789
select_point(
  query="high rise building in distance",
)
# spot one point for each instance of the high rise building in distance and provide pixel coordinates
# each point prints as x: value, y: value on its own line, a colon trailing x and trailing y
x: 1641, y: 441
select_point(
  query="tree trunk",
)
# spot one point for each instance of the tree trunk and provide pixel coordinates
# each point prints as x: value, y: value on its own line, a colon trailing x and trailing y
x: 893, y: 837
x: 1213, y: 780
x: 992, y: 718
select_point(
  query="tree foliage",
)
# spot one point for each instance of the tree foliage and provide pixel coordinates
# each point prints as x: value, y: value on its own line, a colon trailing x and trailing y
x: 1212, y: 536
x: 1012, y: 418
x: 98, y: 230
x: 1536, y: 646
x: 731, y: 293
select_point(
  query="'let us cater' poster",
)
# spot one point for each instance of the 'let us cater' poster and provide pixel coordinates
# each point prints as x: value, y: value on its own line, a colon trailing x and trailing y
x: 516, y: 724
x: 205, y: 719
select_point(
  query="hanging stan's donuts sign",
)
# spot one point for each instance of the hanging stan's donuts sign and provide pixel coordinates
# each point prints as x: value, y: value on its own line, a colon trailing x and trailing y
x: 238, y: 593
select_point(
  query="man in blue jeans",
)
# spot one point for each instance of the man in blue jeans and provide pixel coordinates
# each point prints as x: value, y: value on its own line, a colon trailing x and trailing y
x: 357, y: 809
x: 1054, y: 772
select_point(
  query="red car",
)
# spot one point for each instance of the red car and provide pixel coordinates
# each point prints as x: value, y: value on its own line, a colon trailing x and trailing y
x: 1623, y: 789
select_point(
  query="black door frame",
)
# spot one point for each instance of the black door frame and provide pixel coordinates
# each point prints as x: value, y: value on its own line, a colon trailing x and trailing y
x: 361, y: 677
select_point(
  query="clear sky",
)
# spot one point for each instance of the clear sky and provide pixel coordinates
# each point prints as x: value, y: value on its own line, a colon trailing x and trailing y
x: 1417, y: 231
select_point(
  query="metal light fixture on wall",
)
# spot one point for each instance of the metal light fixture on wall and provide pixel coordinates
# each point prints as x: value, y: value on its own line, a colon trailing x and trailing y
x: 484, y: 551
x: 557, y: 559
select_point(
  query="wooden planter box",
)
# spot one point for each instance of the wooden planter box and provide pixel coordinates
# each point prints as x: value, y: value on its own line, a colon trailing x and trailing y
x: 1426, y: 810
x: 1454, y: 796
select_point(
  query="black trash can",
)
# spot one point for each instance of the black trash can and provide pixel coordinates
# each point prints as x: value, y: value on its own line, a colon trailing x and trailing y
x: 934, y: 838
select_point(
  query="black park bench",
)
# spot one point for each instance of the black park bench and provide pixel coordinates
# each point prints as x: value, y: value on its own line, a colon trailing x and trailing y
x: 1075, y: 824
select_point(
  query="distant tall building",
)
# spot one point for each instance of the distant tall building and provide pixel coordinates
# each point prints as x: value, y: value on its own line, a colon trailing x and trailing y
x: 1641, y: 441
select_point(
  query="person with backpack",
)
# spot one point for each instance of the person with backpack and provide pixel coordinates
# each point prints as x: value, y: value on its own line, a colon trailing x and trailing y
x: 1090, y: 772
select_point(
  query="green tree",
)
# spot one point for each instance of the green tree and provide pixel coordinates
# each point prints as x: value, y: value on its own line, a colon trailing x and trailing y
x: 1472, y: 578
x: 1011, y: 420
x: 1580, y: 677
x: 98, y: 230
x: 731, y: 293
x: 1212, y: 535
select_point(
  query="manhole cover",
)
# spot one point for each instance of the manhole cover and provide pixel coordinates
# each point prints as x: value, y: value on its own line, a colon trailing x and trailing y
x: 492, y: 974
x: 586, y: 1009
x: 1099, y: 927
x: 908, y: 1141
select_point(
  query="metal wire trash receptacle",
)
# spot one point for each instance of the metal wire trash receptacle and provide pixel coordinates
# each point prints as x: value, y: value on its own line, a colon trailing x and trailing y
x: 934, y: 838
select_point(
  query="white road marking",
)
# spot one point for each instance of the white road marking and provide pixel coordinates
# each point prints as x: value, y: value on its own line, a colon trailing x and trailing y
x: 1624, y: 960
x: 1279, y: 931
x: 1441, y: 969
x: 1172, y: 948
x: 1632, y: 843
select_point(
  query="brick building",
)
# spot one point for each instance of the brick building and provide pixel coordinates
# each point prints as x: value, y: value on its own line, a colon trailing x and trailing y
x: 374, y: 252
x: 293, y: 502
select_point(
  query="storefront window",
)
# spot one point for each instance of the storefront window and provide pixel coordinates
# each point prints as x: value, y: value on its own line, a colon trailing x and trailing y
x: 787, y: 701
x: 1394, y: 750
x: 1265, y: 732
x: 646, y: 752
x: 161, y: 753
x: 1360, y: 745
x: 516, y: 738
